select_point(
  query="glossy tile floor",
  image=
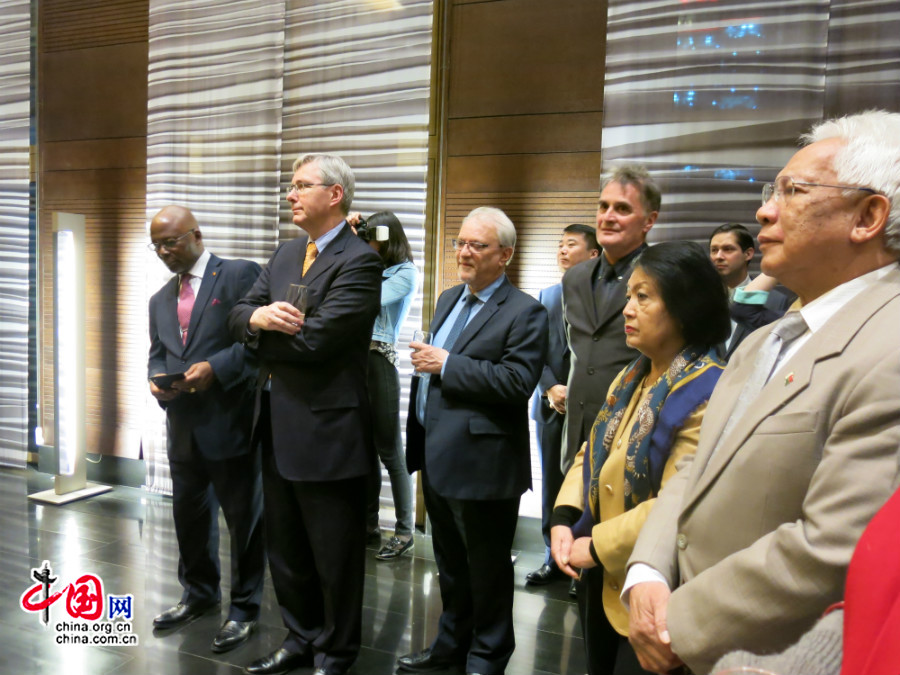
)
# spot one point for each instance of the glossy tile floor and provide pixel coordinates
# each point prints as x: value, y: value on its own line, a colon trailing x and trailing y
x: 126, y: 539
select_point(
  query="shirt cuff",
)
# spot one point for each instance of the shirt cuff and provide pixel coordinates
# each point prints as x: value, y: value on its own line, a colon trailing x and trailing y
x: 639, y: 573
x: 750, y: 297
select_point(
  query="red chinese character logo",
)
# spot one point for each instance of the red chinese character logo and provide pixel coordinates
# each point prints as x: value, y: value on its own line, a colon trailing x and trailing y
x: 85, y: 598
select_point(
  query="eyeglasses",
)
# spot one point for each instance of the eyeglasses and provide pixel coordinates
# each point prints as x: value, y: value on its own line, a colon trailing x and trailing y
x: 303, y: 187
x: 474, y: 246
x: 167, y: 244
x: 784, y: 187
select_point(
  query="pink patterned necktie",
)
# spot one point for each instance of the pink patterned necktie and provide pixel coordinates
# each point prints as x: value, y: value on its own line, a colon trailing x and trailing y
x: 185, y: 305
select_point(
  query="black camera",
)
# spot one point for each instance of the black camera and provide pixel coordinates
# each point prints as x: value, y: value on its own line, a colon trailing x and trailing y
x: 369, y: 233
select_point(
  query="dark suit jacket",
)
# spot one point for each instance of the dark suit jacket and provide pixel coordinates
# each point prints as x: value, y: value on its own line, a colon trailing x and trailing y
x: 598, y: 351
x: 476, y: 444
x: 217, y: 419
x: 751, y: 317
x: 319, y: 407
x: 556, y: 365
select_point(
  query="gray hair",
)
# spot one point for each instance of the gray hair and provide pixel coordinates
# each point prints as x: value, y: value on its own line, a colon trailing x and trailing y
x: 503, y: 226
x: 638, y: 177
x: 870, y: 157
x: 333, y: 170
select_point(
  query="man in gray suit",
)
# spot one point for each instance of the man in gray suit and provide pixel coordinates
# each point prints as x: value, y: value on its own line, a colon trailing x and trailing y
x: 750, y: 542
x: 577, y: 245
x: 594, y: 297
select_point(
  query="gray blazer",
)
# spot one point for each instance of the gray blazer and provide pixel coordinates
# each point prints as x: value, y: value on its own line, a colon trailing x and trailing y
x: 598, y: 352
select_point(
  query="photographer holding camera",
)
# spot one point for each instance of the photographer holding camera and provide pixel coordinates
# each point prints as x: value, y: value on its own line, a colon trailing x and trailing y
x: 385, y: 234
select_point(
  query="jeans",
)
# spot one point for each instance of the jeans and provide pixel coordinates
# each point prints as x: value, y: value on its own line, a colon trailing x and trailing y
x: 384, y: 396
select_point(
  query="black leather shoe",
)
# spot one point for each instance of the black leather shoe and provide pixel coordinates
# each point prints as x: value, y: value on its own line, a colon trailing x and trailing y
x: 542, y: 576
x: 231, y: 634
x: 573, y: 589
x: 423, y: 662
x: 279, y: 661
x: 181, y: 613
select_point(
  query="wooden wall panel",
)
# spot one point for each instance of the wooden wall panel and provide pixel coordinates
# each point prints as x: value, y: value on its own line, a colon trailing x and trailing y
x: 521, y: 117
x: 523, y: 120
x: 514, y: 134
x: 92, y: 159
x: 514, y: 57
x: 89, y: 93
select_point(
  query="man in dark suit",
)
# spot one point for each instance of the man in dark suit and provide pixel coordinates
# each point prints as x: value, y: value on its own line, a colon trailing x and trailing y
x: 731, y: 249
x: 312, y: 418
x: 594, y: 297
x: 548, y: 408
x: 210, y: 454
x: 467, y: 431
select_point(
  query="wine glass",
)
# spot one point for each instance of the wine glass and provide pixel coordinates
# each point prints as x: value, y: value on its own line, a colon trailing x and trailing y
x: 421, y: 336
x: 297, y: 295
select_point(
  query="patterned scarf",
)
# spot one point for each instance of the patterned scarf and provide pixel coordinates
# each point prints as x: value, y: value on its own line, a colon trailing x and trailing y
x: 650, y: 441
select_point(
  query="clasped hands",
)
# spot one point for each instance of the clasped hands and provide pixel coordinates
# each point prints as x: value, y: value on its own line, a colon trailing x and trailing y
x: 280, y: 316
x: 648, y: 602
x: 647, y: 629
x: 571, y: 555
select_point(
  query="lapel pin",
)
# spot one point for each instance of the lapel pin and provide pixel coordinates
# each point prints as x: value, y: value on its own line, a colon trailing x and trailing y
x: 214, y: 274
x: 788, y: 379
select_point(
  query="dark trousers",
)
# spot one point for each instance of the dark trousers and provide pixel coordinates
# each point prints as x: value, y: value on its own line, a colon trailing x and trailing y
x: 549, y: 438
x: 199, y: 486
x: 384, y: 398
x: 472, y: 541
x: 316, y: 541
x: 608, y: 653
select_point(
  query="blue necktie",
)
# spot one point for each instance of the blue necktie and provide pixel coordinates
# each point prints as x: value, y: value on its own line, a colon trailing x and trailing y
x: 460, y: 323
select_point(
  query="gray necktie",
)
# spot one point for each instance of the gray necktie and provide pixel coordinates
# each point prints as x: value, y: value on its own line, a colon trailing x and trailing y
x: 460, y: 322
x: 784, y: 331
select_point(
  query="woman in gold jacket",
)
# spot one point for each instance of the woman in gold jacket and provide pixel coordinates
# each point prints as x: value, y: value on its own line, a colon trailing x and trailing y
x: 676, y: 316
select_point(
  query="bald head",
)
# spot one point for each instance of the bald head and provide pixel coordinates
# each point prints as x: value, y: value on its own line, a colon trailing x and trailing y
x: 176, y: 235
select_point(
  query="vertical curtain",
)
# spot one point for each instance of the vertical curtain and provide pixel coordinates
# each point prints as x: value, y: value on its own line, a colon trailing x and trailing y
x: 356, y: 83
x: 712, y: 96
x: 238, y: 89
x: 15, y: 263
x: 213, y: 141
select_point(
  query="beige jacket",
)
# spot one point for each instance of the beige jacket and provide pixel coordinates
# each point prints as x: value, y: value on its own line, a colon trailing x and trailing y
x: 757, y: 538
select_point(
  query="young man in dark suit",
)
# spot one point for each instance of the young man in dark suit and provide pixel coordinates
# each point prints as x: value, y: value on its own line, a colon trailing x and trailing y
x: 548, y: 409
x: 467, y: 431
x: 210, y: 455
x: 312, y: 418
x: 731, y: 249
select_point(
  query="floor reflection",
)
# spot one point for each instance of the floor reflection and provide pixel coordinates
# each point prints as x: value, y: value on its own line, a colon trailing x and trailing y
x: 126, y: 539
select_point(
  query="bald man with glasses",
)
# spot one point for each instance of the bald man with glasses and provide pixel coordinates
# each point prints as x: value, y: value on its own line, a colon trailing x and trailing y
x: 211, y: 459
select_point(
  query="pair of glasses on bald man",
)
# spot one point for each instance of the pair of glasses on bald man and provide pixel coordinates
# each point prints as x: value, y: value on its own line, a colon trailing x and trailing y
x: 783, y: 189
x: 167, y: 244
